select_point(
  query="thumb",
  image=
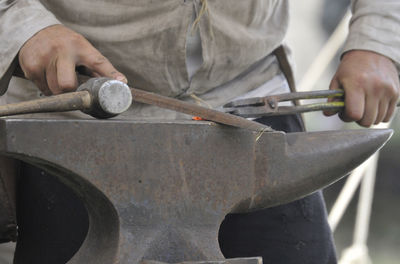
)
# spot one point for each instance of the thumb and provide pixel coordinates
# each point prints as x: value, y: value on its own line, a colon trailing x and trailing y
x: 101, y: 66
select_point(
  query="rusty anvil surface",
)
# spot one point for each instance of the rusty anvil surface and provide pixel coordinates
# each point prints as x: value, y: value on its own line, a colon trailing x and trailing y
x: 158, y: 191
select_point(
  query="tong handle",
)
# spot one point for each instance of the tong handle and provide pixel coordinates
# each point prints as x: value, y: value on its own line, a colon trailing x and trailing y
x: 308, y: 95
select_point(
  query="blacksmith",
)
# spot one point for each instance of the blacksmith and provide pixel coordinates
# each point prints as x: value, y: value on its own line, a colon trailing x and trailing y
x: 208, y: 52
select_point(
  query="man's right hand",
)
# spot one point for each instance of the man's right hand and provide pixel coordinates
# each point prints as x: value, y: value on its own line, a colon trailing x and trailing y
x: 50, y: 58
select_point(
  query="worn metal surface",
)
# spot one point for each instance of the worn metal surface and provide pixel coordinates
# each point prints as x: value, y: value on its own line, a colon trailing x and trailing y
x: 159, y: 190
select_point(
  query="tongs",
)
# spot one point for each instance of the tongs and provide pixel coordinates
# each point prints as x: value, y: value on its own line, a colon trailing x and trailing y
x: 269, y: 105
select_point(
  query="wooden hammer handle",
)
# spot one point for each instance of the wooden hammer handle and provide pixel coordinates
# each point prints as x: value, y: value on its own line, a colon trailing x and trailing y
x: 57, y: 103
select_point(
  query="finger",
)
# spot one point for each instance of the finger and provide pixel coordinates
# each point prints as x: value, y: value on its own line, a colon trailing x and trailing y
x: 41, y: 83
x: 391, y: 109
x: 354, y: 105
x: 66, y: 76
x: 32, y: 69
x: 51, y: 78
x: 334, y: 85
x: 82, y: 70
x: 99, y: 64
x: 370, y: 112
x: 382, y: 110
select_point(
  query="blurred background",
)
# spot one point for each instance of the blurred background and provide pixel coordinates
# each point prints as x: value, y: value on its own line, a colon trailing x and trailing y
x: 312, y: 22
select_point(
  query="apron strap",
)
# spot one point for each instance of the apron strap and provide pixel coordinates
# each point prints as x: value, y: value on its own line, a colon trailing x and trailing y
x: 287, y: 71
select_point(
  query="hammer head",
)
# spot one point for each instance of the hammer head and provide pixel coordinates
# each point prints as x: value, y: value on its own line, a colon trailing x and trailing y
x: 109, y: 97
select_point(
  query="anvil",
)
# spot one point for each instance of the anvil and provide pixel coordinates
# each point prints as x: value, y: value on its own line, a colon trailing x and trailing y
x: 158, y: 191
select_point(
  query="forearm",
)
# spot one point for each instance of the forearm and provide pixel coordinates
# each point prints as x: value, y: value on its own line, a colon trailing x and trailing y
x: 19, y: 21
x: 374, y: 27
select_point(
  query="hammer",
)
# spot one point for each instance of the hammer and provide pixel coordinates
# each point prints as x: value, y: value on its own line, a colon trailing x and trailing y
x: 104, y: 98
x: 98, y: 97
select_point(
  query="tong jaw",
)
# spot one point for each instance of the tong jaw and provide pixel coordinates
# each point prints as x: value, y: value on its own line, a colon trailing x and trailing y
x: 252, y: 107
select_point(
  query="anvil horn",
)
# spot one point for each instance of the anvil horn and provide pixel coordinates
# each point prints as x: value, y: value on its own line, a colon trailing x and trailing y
x: 311, y: 161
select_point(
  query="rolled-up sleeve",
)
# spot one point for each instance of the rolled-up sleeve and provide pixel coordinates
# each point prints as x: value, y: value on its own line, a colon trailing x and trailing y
x: 375, y: 26
x: 19, y: 21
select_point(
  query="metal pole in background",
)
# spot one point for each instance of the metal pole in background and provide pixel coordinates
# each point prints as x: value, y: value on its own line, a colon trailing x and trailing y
x: 326, y: 55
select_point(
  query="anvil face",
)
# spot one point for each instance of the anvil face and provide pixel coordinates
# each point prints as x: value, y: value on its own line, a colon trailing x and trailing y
x: 159, y: 190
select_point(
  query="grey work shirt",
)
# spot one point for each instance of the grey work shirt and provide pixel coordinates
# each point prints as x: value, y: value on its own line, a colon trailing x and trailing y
x: 146, y: 40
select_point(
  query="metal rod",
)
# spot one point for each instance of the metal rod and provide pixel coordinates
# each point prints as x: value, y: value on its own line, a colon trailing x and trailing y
x: 196, y: 110
x: 285, y: 110
x: 82, y: 101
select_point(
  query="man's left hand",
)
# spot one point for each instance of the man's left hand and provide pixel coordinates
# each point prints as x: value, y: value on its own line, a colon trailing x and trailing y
x: 371, y: 85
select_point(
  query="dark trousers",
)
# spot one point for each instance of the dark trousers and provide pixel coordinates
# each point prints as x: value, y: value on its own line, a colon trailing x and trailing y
x: 293, y: 233
x: 53, y: 223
